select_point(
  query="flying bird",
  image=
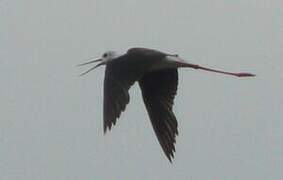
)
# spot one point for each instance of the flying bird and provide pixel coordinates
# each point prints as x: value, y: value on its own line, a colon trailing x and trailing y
x: 157, y: 75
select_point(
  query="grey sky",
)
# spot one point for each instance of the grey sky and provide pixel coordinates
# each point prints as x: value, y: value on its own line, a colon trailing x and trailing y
x: 51, y: 119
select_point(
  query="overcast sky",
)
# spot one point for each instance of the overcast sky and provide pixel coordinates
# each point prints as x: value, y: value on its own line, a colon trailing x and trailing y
x: 51, y: 119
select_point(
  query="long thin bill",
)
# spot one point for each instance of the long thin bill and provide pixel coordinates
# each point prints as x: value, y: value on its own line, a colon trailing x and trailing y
x: 91, y: 69
x: 90, y: 62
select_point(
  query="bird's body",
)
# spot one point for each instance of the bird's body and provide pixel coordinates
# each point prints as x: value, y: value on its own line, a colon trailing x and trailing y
x: 157, y: 75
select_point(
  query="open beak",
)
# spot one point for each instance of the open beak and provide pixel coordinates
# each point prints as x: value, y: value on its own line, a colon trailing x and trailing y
x: 90, y: 62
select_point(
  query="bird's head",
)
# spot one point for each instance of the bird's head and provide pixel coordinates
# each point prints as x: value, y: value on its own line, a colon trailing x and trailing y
x: 109, y: 56
x: 105, y: 58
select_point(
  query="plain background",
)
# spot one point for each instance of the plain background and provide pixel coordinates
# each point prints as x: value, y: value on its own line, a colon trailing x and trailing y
x: 51, y: 119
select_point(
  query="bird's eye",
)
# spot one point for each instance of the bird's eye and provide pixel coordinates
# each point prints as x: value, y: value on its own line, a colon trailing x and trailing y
x: 104, y: 55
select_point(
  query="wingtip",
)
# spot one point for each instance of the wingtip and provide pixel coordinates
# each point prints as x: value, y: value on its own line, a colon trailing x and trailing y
x: 104, y: 129
x: 170, y: 154
x: 170, y: 157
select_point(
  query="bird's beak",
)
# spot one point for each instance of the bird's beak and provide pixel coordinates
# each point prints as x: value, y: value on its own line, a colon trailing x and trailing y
x: 90, y: 62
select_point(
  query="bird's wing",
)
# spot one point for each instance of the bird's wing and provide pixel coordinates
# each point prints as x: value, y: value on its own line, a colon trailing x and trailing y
x: 119, y: 77
x: 159, y: 89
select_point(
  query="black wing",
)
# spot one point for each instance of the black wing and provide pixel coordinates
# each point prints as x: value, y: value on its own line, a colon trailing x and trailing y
x: 120, y: 75
x: 159, y: 89
x: 117, y: 81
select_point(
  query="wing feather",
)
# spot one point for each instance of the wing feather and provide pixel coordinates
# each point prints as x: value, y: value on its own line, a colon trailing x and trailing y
x: 117, y: 82
x: 120, y: 74
x: 159, y: 89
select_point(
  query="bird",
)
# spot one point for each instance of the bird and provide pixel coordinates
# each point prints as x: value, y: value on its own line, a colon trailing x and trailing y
x: 157, y: 75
